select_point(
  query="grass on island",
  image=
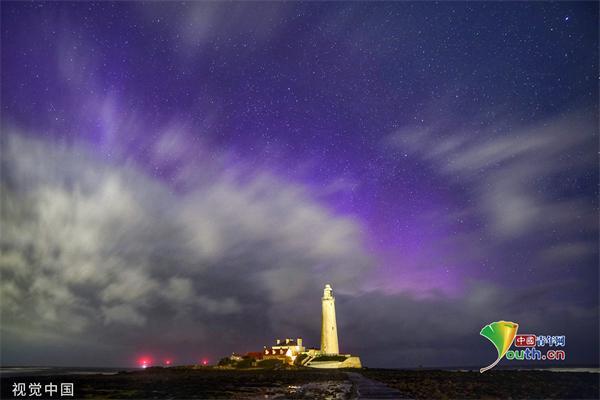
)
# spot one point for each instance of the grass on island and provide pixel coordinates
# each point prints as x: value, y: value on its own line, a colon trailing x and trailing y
x: 329, y: 358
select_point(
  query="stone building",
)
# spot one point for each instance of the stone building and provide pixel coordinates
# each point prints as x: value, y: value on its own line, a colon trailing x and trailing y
x: 284, y: 349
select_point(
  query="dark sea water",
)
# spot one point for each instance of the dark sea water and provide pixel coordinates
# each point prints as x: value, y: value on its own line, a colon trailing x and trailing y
x: 54, y: 371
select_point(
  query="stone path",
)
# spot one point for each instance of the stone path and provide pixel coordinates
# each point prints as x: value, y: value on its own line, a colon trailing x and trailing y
x: 370, y: 389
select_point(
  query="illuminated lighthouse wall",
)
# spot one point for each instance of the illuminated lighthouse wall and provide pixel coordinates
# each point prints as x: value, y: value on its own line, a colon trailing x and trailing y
x: 329, y: 336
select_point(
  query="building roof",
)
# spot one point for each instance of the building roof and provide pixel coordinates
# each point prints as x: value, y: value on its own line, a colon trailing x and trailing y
x: 287, y: 342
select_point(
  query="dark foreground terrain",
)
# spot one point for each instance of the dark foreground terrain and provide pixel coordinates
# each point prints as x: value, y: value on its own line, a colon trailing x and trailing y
x: 320, y: 384
x: 494, y: 384
x: 202, y: 383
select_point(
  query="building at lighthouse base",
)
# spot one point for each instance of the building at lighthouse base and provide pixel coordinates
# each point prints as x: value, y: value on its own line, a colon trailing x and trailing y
x: 291, y: 351
x: 333, y: 361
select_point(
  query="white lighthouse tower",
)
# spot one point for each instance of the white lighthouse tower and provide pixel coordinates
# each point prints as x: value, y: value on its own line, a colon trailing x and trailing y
x: 329, y: 336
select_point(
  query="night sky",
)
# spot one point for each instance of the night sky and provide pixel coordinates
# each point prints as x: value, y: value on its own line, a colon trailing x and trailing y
x: 180, y: 180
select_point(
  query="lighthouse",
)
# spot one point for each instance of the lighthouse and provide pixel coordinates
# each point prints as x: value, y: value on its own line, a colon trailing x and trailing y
x: 329, y: 336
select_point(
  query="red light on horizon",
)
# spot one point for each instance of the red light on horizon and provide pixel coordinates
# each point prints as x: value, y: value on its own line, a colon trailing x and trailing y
x: 144, y: 362
x: 204, y: 361
x: 168, y: 362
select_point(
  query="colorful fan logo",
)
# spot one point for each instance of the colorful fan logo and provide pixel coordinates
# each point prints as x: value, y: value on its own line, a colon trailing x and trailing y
x: 501, y: 334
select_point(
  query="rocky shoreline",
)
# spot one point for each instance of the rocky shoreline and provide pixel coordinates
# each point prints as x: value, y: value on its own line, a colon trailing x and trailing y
x: 209, y: 383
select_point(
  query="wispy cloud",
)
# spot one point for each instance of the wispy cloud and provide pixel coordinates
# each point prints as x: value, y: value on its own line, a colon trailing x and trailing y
x: 520, y: 175
x: 92, y: 246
